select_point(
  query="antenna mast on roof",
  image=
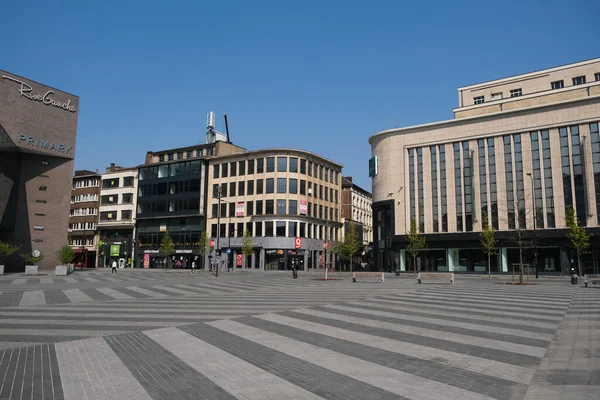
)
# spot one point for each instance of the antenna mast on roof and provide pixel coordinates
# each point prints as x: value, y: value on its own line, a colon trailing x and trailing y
x: 227, y: 129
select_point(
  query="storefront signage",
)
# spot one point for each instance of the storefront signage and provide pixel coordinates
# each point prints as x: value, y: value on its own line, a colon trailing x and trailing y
x: 151, y: 251
x: 239, y: 209
x: 303, y: 207
x: 298, y: 242
x: 115, y: 250
x: 44, y: 144
x: 39, y: 227
x: 373, y: 167
x: 183, y: 251
x: 47, y: 98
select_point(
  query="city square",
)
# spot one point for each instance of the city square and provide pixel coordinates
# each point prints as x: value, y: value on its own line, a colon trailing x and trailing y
x: 169, y: 334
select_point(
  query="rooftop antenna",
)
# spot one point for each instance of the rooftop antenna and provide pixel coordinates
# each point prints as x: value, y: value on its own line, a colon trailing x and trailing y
x: 227, y: 128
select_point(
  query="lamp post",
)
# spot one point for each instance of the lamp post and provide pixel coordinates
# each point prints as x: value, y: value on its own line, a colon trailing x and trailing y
x: 535, y: 260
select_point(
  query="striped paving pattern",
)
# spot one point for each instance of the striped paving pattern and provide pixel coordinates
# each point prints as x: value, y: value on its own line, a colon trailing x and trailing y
x: 305, y: 340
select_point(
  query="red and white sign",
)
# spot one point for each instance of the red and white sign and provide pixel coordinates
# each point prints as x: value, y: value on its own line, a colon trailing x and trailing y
x: 326, y: 245
x: 298, y: 242
x: 239, y: 260
x: 303, y: 207
x: 212, y: 243
x: 239, y: 209
x: 320, y: 259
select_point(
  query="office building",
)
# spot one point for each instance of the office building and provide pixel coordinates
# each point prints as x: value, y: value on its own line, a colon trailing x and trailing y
x: 357, y: 210
x: 38, y: 129
x: 83, y: 218
x: 520, y: 151
x: 116, y: 223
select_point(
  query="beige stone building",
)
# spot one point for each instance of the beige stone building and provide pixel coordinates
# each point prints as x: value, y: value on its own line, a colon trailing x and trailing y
x: 288, y: 200
x: 520, y: 150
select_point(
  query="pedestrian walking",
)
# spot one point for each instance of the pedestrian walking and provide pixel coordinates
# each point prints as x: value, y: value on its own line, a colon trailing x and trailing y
x: 114, y: 267
x: 193, y: 270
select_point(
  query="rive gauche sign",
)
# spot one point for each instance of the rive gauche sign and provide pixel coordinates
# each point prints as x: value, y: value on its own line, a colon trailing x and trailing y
x: 47, y: 98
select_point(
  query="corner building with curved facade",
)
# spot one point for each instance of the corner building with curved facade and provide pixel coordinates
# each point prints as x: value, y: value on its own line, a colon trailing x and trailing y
x: 520, y: 150
x: 288, y: 200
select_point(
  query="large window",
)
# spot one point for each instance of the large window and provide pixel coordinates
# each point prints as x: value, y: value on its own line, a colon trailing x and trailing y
x: 224, y: 170
x: 233, y: 168
x: 260, y: 165
x: 250, y: 167
x: 293, y: 186
x: 293, y: 164
x: 468, y: 186
x: 537, y: 180
x: 241, y: 187
x: 510, y: 191
x: 483, y: 180
x: 281, y: 164
x: 270, y: 185
x: 458, y: 188
x: 303, y: 187
x: 250, y: 188
x: 259, y: 207
x: 303, y: 166
x: 280, y: 206
x: 573, y: 182
x: 595, y: 136
x: 281, y: 185
x: 259, y: 186
x: 520, y: 185
x: 491, y: 154
x: 293, y: 207
x: 270, y: 164
x: 548, y: 186
x: 242, y: 167
x: 443, y: 193
x: 269, y: 207
x: 420, y: 189
x: 411, y: 184
x: 434, y: 188
x: 216, y: 171
x: 280, y: 229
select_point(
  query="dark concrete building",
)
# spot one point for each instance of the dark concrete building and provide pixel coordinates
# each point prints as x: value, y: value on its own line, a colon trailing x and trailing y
x: 38, y: 129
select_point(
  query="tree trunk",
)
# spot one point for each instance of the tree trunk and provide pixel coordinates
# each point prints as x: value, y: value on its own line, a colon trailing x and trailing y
x: 579, y: 262
x: 489, y: 266
x: 415, y: 263
x: 520, y: 260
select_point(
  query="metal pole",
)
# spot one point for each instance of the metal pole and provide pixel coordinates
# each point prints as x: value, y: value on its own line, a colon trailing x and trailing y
x: 218, y: 232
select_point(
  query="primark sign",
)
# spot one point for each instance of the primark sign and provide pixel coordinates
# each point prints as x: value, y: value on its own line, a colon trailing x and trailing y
x: 47, y: 98
x: 45, y: 144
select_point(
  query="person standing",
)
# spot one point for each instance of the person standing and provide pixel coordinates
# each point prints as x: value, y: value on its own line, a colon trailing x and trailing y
x: 114, y: 267
x: 193, y: 270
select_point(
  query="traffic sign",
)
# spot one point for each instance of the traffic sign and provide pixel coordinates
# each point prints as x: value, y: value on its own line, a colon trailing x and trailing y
x: 212, y: 243
x: 298, y: 242
x: 228, y: 251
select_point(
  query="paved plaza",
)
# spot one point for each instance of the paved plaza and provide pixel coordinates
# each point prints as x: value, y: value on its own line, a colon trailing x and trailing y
x: 145, y: 334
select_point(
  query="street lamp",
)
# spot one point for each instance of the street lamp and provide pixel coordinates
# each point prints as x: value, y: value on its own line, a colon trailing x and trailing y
x: 218, y: 231
x: 535, y: 260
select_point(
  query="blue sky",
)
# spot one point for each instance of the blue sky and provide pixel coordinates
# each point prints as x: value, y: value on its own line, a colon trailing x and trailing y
x: 317, y: 75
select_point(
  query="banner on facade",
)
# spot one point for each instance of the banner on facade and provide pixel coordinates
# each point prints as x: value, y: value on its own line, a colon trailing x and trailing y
x: 115, y: 250
x: 146, y: 260
x: 239, y: 260
x: 303, y: 206
x: 239, y: 209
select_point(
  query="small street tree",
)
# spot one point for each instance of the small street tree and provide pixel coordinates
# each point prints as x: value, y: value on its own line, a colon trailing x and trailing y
x: 167, y: 247
x: 7, y: 250
x: 580, y: 239
x: 203, y: 244
x: 350, y: 246
x: 489, y: 242
x: 415, y: 243
x: 247, y: 245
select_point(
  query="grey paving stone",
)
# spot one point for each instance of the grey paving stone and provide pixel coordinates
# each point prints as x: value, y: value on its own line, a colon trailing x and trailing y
x: 10, y: 299
x: 96, y: 295
x: 436, y: 371
x: 56, y: 297
x: 310, y: 377
x: 131, y: 293
x: 162, y: 374
x: 477, y: 351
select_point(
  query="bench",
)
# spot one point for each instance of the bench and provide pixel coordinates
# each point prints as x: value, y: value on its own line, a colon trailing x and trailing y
x: 369, y: 274
x: 592, y: 278
x: 435, y: 276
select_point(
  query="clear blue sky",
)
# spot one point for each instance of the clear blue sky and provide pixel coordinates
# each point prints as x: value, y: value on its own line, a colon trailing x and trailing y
x: 317, y: 75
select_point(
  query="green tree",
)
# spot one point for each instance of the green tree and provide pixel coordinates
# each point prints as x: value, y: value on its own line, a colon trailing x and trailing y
x: 7, y: 250
x: 350, y: 246
x: 65, y: 254
x: 30, y: 259
x: 167, y: 248
x: 203, y: 244
x: 489, y: 242
x: 580, y: 239
x: 247, y: 245
x: 415, y: 243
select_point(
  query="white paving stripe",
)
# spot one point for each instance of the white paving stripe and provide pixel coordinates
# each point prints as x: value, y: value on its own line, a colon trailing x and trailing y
x: 145, y: 291
x: 93, y: 280
x: 114, y: 294
x: 415, y: 304
x: 412, y: 387
x: 76, y: 295
x: 501, y: 304
x: 89, y: 369
x: 19, y: 281
x: 70, y: 280
x: 46, y: 280
x: 445, y: 322
x: 399, y: 307
x: 434, y: 334
x: 59, y: 332
x: 173, y: 290
x: 251, y: 382
x: 470, y: 363
x: 32, y: 297
x: 143, y: 315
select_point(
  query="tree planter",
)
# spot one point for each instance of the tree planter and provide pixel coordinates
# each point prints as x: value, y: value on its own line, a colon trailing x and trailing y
x: 1, y: 269
x: 31, y: 270
x: 63, y: 270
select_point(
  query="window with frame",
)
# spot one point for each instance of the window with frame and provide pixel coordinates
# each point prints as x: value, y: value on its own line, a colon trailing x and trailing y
x: 198, y: 152
x: 125, y: 215
x: 270, y: 164
x: 597, y: 76
x: 280, y: 206
x: 250, y: 190
x: 293, y: 164
x: 281, y: 185
x: 516, y: 92
x: 250, y: 167
x: 161, y: 158
x: 280, y: 228
x: 293, y: 207
x: 260, y: 165
x: 302, y: 186
x: 303, y: 166
x: 270, y: 185
x: 127, y: 198
x: 281, y: 164
x: 259, y: 207
x: 180, y: 155
x: 241, y: 188
x: 249, y: 208
x: 293, y: 185
x: 216, y: 171
x: 232, y: 189
x: 310, y: 168
x: 171, y: 156
x: 579, y: 80
x: 320, y: 172
x: 259, y: 186
x: 269, y: 204
x: 558, y: 84
x: 215, y: 210
x: 233, y: 168
x: 497, y: 96
x: 242, y: 167
x: 224, y: 170
x: 190, y: 154
x: 478, y: 100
